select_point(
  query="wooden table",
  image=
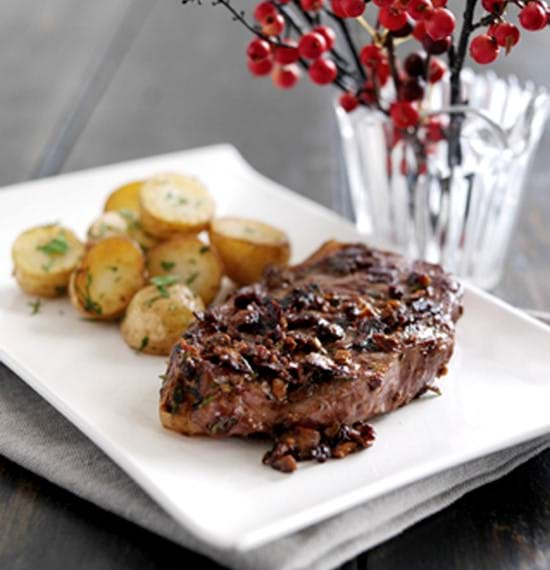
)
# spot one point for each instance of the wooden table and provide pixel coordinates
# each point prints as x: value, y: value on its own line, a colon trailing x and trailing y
x: 88, y: 83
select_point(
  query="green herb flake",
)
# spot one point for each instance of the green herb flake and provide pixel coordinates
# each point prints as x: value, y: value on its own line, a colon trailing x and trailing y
x: 191, y: 278
x: 113, y: 268
x: 162, y: 282
x: 56, y: 246
x: 60, y: 289
x: 90, y: 306
x: 35, y: 306
x: 144, y: 343
x: 167, y: 265
x: 204, y: 249
x: 47, y: 266
x: 205, y: 401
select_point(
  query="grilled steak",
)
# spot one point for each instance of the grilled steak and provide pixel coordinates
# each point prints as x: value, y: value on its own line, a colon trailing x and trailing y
x: 311, y: 352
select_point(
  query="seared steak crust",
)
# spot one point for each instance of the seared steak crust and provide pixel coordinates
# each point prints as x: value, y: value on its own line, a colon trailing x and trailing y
x: 351, y: 333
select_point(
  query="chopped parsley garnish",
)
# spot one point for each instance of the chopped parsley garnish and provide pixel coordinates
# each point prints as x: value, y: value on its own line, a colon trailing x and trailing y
x: 35, y: 306
x: 204, y: 249
x: 205, y: 401
x: 90, y: 306
x: 56, y: 246
x: 191, y: 278
x: 113, y: 268
x: 162, y: 282
x: 144, y: 343
x: 167, y: 265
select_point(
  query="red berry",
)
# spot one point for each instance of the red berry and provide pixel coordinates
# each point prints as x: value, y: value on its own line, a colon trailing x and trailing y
x: 440, y: 24
x: 264, y: 9
x: 353, y: 8
x: 419, y: 31
x: 382, y: 73
x: 403, y: 32
x: 371, y: 56
x: 533, y: 17
x: 434, y: 130
x: 436, y: 47
x: 287, y: 53
x: 311, y: 5
x: 285, y: 77
x: 261, y: 67
x: 506, y: 34
x: 328, y: 33
x: 368, y: 92
x: 484, y: 49
x: 403, y: 114
x: 392, y: 17
x: 312, y: 45
x: 437, y: 70
x: 337, y: 9
x: 382, y: 3
x: 411, y: 90
x: 273, y: 25
x: 348, y: 102
x: 258, y: 49
x: 419, y: 9
x: 323, y: 71
x: 414, y: 65
x: 439, y: 3
x: 493, y: 6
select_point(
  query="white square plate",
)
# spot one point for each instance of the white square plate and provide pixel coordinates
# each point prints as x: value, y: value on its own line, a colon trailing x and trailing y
x: 496, y: 393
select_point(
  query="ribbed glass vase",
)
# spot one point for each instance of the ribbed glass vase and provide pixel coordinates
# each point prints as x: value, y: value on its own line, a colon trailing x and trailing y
x: 454, y: 204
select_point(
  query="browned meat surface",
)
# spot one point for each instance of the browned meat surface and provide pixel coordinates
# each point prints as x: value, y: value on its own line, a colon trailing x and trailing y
x: 311, y: 352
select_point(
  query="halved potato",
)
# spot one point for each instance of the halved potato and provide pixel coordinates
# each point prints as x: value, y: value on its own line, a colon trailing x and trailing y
x: 44, y: 258
x: 247, y: 247
x: 107, y: 277
x: 195, y: 263
x: 136, y: 232
x: 171, y: 204
x: 125, y: 197
x: 157, y: 316
x: 108, y: 224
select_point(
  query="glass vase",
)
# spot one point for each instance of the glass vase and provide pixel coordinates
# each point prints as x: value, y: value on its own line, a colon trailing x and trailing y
x: 453, y: 200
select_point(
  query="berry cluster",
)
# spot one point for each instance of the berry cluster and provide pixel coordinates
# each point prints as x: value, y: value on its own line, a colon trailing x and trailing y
x: 313, y: 36
x: 293, y: 37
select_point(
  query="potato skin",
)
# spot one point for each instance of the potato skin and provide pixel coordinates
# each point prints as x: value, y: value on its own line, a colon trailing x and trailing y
x: 247, y: 247
x: 107, y: 277
x: 124, y: 197
x: 196, y: 264
x: 153, y: 323
x: 42, y: 274
x: 172, y: 204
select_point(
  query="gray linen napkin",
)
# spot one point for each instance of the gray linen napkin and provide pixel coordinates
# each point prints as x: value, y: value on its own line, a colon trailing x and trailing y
x: 37, y: 437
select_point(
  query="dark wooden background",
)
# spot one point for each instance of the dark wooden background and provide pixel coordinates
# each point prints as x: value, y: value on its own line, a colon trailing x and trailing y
x: 87, y: 83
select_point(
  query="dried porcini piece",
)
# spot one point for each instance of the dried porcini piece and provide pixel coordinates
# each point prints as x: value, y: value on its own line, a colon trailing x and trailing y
x: 303, y: 444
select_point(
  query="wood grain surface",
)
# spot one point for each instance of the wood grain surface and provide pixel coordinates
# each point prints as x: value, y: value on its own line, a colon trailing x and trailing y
x: 88, y: 83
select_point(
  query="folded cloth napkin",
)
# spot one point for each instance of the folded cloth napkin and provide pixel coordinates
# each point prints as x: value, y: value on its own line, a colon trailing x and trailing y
x: 37, y: 437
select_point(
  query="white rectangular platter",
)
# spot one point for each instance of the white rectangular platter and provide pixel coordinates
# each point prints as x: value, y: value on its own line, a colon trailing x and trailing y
x: 496, y: 393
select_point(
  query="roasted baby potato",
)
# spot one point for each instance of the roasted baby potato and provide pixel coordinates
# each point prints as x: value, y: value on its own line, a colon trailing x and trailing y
x: 158, y: 315
x: 44, y: 258
x: 171, y: 204
x: 108, y: 224
x: 136, y: 232
x: 107, y: 277
x: 196, y: 264
x: 124, y: 198
x: 247, y: 247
